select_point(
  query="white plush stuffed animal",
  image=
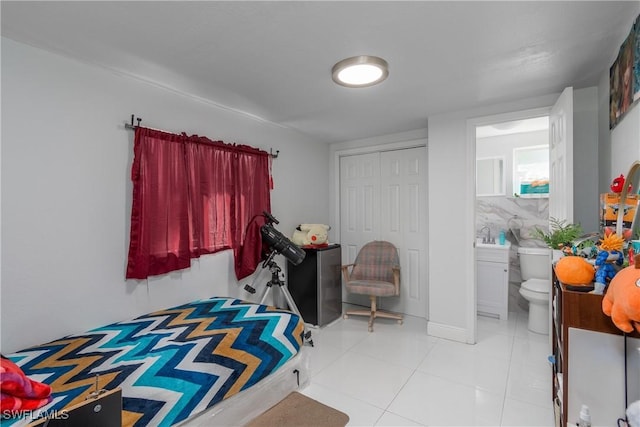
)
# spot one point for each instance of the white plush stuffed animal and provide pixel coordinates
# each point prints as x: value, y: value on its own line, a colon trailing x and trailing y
x: 310, y: 234
x: 633, y: 414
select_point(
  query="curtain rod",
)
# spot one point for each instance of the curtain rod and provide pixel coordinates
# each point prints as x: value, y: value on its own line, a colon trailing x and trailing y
x: 131, y: 126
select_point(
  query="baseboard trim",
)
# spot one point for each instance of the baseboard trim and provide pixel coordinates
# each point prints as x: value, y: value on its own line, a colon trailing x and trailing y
x: 448, y: 332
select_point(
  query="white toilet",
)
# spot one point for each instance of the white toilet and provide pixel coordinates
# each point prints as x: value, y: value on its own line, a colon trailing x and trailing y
x: 535, y: 268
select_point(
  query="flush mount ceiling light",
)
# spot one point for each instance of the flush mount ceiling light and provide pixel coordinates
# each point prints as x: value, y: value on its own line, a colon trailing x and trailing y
x: 360, y: 71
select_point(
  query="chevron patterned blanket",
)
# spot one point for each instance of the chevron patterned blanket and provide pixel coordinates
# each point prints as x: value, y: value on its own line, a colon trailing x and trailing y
x: 170, y: 364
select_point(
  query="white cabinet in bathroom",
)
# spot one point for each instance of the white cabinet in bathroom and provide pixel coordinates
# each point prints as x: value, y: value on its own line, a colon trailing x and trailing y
x: 492, y: 279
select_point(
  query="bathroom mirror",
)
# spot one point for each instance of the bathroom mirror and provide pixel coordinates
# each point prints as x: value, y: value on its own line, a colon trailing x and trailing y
x: 490, y: 178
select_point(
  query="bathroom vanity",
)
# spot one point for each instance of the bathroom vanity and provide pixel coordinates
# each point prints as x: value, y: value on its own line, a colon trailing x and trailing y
x: 492, y: 279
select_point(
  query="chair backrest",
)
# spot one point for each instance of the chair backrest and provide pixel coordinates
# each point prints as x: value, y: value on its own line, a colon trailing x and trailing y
x: 375, y: 261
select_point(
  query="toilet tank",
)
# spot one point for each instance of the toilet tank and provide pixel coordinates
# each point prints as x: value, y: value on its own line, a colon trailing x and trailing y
x: 535, y: 263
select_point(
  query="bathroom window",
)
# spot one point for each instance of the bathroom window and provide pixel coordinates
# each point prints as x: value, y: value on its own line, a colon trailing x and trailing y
x: 531, y: 171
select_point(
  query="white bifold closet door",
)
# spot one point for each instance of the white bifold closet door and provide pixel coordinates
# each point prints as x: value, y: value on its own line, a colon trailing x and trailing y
x: 383, y: 196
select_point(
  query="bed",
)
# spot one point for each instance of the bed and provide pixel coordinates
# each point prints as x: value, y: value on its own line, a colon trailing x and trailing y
x: 215, y: 361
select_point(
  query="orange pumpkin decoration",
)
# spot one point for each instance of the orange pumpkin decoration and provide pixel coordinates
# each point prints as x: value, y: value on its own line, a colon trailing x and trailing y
x: 574, y: 270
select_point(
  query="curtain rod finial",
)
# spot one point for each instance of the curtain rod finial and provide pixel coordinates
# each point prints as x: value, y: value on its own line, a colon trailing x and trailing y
x: 131, y: 125
x: 274, y: 155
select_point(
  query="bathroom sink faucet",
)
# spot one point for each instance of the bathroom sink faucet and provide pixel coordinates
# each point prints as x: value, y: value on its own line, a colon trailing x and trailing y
x: 488, y: 238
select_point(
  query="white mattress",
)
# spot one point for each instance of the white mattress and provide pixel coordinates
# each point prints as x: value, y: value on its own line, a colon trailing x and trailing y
x: 241, y: 408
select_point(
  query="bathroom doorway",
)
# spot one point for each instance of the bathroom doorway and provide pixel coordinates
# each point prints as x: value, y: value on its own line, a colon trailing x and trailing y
x: 571, y: 193
x: 512, y: 185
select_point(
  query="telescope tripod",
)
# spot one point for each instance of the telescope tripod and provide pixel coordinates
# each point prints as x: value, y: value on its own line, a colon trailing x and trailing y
x: 275, y: 270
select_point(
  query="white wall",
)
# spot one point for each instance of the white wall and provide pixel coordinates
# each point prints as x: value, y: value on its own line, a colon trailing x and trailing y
x: 451, y: 227
x: 451, y: 269
x: 66, y: 193
x: 604, y: 135
x: 625, y: 143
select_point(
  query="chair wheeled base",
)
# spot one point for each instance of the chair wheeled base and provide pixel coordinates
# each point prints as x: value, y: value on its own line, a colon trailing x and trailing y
x: 373, y: 313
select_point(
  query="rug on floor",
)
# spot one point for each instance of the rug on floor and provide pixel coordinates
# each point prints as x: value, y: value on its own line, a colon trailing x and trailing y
x: 298, y: 410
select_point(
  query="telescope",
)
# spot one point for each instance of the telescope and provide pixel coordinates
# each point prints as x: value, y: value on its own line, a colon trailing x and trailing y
x: 279, y: 243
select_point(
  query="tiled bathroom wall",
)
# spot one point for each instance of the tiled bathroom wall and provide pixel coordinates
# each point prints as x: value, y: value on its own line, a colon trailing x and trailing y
x: 516, y: 216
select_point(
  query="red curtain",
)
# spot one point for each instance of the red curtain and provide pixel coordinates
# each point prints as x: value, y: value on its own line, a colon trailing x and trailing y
x: 252, y: 179
x: 194, y: 196
x: 211, y: 190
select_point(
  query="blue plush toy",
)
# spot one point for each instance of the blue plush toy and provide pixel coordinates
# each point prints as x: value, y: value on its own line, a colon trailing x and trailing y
x: 606, y: 263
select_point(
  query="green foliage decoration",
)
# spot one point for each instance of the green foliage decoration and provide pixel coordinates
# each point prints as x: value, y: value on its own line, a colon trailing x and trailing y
x: 560, y: 235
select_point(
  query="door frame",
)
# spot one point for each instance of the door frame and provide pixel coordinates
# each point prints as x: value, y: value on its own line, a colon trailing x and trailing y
x: 472, y: 123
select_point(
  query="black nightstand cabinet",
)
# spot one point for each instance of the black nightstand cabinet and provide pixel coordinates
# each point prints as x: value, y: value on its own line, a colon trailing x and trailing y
x: 315, y: 285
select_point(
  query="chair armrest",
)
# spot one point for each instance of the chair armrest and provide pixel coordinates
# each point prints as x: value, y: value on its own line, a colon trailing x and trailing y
x: 396, y: 279
x: 345, y: 272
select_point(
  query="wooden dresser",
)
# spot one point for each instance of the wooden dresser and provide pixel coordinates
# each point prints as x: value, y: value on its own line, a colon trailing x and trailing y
x: 588, y: 358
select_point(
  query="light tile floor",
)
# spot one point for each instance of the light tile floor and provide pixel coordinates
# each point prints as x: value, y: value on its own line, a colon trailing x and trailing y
x: 400, y: 376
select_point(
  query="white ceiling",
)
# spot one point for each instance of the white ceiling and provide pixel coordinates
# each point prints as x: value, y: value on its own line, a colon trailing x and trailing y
x: 272, y: 60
